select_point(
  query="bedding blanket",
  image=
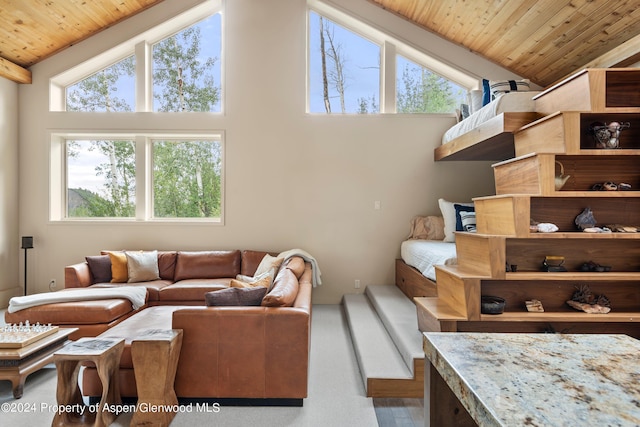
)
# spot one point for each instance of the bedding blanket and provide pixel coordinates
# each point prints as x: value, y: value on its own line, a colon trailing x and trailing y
x: 136, y: 294
x: 424, y: 255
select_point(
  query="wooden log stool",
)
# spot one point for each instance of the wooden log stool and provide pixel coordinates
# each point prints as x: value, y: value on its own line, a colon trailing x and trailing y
x: 105, y: 353
x: 155, y: 356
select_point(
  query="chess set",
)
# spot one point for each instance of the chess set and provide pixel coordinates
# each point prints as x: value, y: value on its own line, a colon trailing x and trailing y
x: 21, y: 335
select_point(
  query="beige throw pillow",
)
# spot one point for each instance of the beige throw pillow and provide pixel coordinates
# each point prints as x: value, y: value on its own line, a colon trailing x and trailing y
x: 142, y: 266
x: 265, y: 282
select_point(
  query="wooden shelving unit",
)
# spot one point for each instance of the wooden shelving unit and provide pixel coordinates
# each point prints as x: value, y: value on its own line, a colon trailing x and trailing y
x: 526, y: 192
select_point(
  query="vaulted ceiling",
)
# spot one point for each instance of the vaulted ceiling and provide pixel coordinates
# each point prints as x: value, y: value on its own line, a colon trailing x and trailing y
x: 543, y: 40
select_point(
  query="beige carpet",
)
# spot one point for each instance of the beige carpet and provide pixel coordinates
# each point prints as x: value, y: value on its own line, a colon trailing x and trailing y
x: 336, y: 395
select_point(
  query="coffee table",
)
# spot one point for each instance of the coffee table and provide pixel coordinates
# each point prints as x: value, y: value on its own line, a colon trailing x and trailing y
x: 17, y: 363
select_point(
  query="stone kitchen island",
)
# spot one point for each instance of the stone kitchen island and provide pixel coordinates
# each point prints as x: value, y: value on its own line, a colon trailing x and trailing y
x: 500, y: 379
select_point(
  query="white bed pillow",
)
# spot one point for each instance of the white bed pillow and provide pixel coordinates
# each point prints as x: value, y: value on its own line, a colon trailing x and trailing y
x: 449, y: 214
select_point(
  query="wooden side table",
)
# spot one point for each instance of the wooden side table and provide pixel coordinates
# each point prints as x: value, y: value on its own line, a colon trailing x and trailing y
x: 155, y: 356
x: 105, y: 353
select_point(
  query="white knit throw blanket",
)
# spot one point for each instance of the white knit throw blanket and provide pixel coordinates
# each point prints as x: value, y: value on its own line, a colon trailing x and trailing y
x: 136, y: 294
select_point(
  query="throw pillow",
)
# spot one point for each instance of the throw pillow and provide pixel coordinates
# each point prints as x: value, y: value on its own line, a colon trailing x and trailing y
x: 448, y: 211
x: 100, y: 267
x: 235, y: 297
x: 486, y: 92
x: 268, y: 262
x: 476, y: 100
x: 142, y: 266
x: 468, y: 221
x: 427, y: 228
x: 465, y: 218
x: 119, y: 272
x: 501, y: 87
x: 264, y: 282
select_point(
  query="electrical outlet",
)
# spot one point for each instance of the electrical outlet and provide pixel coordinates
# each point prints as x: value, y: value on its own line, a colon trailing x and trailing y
x: 52, y: 285
x: 357, y: 284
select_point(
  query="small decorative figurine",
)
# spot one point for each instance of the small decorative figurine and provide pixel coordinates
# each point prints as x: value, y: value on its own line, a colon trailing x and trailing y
x: 607, y: 135
x: 585, y: 219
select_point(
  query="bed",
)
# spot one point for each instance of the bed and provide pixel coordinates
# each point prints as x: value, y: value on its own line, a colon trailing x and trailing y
x: 487, y: 134
x: 426, y: 247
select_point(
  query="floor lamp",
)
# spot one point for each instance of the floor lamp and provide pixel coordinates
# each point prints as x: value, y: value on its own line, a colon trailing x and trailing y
x: 27, y: 243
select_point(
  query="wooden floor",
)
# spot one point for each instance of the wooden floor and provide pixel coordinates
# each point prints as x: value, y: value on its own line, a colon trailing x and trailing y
x: 396, y: 412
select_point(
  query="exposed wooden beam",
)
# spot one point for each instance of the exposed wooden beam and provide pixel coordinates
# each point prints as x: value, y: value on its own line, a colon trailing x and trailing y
x: 14, y: 72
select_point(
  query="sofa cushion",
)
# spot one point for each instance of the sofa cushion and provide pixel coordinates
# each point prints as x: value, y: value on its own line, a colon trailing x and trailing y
x: 142, y: 266
x: 296, y: 265
x: 207, y: 264
x: 100, y: 267
x: 250, y: 261
x: 119, y: 272
x: 284, y: 290
x: 251, y: 296
x: 167, y: 264
x: 73, y: 313
x: 192, y: 289
x: 153, y: 287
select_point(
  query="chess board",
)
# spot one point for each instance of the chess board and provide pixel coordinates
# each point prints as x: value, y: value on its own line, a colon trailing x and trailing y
x: 20, y: 336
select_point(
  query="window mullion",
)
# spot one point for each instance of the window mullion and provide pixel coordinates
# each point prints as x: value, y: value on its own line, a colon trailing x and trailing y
x: 143, y: 77
x: 388, y: 78
x: 142, y: 179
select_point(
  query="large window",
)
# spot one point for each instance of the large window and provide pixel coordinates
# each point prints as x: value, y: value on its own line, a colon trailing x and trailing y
x: 344, y: 69
x: 183, y: 74
x: 138, y: 177
x: 420, y: 90
x: 355, y: 68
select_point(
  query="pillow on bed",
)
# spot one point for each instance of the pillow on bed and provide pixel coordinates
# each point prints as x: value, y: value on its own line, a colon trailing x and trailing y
x: 427, y: 228
x: 505, y: 86
x: 465, y: 218
x: 449, y: 215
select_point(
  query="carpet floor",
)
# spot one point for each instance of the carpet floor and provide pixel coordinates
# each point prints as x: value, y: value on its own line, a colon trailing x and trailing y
x: 336, y: 394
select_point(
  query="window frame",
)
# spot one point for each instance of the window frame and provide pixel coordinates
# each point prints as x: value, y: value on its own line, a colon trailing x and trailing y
x: 58, y: 206
x: 390, y: 47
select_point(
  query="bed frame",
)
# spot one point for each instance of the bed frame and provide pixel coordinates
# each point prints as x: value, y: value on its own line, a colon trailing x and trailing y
x: 491, y: 140
x: 412, y: 282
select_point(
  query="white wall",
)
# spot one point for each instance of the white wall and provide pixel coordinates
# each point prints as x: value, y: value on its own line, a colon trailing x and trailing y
x: 292, y: 179
x: 9, y: 240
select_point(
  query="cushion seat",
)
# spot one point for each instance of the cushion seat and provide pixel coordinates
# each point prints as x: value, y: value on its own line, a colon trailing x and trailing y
x: 192, y: 289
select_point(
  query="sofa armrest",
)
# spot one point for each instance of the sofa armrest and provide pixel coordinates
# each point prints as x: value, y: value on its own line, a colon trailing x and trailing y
x: 77, y: 275
x: 243, y: 352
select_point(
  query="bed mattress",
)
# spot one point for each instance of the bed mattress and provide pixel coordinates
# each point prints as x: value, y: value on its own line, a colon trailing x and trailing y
x: 514, y: 102
x: 424, y: 255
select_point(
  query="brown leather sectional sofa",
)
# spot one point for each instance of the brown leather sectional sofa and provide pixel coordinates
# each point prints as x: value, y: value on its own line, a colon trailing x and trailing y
x: 236, y: 352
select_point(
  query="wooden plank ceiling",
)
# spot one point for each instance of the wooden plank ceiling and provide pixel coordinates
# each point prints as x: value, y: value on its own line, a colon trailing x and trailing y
x: 543, y: 40
x: 32, y: 30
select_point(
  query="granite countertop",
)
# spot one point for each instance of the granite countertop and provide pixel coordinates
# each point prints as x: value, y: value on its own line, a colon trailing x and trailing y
x: 541, y: 379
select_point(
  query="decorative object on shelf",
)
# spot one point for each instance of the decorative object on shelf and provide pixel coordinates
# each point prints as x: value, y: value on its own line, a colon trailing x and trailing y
x: 553, y: 264
x: 511, y: 268
x: 492, y: 305
x: 547, y: 227
x: 584, y: 300
x: 561, y: 179
x: 607, y: 135
x: 611, y: 186
x: 592, y: 266
x: 597, y: 230
x: 534, y: 306
x: 621, y: 228
x: 586, y: 219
